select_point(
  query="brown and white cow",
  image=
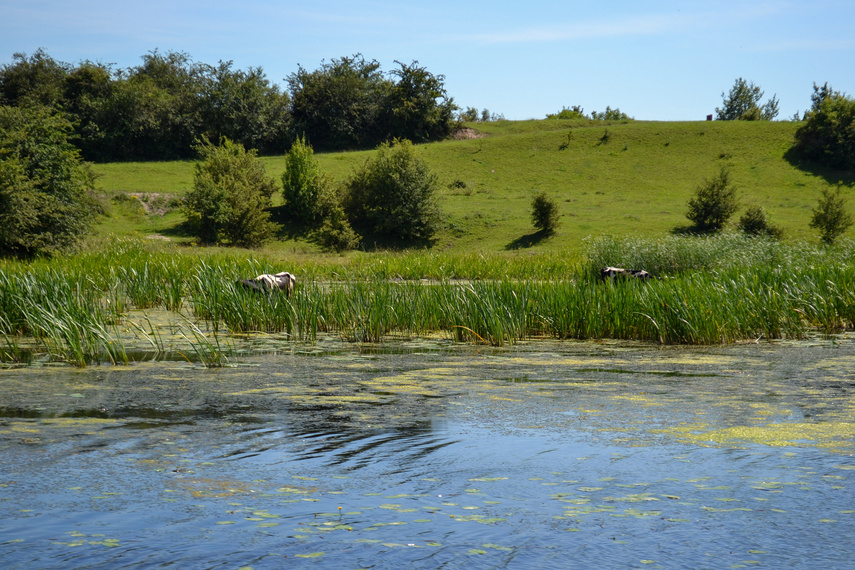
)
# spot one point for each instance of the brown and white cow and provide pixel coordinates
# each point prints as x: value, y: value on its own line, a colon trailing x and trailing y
x: 615, y: 273
x: 266, y: 282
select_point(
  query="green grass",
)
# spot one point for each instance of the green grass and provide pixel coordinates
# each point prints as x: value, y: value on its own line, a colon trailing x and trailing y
x: 721, y: 289
x: 637, y: 183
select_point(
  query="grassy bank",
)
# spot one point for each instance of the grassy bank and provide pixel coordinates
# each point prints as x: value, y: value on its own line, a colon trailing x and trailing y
x: 90, y: 308
x: 628, y: 179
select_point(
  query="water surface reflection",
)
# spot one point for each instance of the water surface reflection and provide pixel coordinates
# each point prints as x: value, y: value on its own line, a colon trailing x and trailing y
x: 603, y: 454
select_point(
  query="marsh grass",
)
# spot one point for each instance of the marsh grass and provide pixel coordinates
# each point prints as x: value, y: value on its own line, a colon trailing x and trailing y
x: 721, y: 289
x: 209, y: 350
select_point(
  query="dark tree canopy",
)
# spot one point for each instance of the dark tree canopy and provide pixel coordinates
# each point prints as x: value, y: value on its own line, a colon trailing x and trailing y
x: 159, y: 109
x: 245, y: 107
x: 338, y: 106
x: 348, y: 103
x: 419, y: 108
x: 37, y: 79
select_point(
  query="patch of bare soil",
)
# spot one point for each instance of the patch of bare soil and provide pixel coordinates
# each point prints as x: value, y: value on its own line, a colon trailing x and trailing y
x: 466, y: 133
x: 153, y: 203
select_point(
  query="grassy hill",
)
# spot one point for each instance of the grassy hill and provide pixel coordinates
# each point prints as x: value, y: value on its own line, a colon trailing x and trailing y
x: 632, y: 178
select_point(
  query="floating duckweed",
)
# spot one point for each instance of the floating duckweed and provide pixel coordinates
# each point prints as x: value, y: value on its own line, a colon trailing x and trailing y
x: 828, y: 434
x: 497, y: 547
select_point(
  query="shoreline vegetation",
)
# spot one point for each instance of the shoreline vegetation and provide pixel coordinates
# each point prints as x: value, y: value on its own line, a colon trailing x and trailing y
x: 101, y: 306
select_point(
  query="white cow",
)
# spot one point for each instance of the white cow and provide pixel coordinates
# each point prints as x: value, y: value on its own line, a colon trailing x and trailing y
x: 266, y: 282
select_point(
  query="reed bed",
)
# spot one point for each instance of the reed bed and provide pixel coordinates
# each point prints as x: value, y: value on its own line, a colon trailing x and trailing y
x: 712, y: 290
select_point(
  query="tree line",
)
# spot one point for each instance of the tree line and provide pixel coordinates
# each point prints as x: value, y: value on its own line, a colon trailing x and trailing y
x: 162, y: 108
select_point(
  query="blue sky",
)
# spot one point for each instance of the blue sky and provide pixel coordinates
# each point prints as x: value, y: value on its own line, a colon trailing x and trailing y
x: 655, y: 60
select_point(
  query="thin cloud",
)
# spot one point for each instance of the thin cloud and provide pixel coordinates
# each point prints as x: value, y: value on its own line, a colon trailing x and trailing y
x: 639, y: 25
x: 642, y: 25
x: 807, y: 45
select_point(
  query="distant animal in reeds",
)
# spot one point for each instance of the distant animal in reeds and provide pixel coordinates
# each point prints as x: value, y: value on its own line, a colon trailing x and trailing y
x: 615, y: 273
x: 266, y: 283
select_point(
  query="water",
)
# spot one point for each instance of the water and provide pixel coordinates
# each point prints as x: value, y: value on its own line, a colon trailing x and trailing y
x: 429, y: 455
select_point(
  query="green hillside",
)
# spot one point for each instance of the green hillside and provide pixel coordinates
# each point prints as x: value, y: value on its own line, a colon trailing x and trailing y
x: 633, y: 178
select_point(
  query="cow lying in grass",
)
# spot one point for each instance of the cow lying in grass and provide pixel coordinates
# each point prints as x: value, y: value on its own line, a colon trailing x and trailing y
x: 266, y: 283
x: 615, y: 273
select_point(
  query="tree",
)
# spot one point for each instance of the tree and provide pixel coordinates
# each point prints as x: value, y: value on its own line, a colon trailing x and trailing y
x: 418, y: 107
x: 230, y: 197
x: 393, y: 196
x: 830, y: 217
x: 302, y: 183
x: 714, y: 203
x: 339, y: 105
x: 544, y: 213
x: 743, y: 103
x: 828, y: 136
x: 45, y: 201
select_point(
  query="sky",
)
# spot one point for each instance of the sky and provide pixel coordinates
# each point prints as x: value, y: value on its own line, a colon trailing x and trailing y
x: 662, y: 60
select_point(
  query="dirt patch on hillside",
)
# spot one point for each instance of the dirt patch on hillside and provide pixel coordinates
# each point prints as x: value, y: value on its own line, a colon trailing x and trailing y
x: 466, y: 133
x: 155, y: 203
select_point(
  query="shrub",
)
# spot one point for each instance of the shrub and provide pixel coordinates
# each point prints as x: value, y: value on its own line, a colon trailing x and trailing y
x: 230, y: 196
x: 828, y: 137
x: 574, y: 112
x: 830, y: 216
x: 714, y: 203
x: 610, y: 115
x: 336, y: 233
x: 544, y: 213
x: 393, y: 196
x: 45, y: 201
x: 302, y: 183
x: 755, y: 222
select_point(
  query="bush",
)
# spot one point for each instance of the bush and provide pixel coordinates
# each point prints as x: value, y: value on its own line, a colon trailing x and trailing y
x: 755, y: 222
x: 336, y: 233
x: 830, y: 216
x: 393, y: 196
x: 828, y: 137
x: 544, y: 214
x: 230, y: 196
x: 302, y: 183
x: 610, y: 115
x: 574, y: 112
x: 714, y: 203
x: 45, y: 201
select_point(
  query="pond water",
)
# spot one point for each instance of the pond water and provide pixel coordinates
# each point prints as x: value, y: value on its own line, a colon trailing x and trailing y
x: 430, y: 454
